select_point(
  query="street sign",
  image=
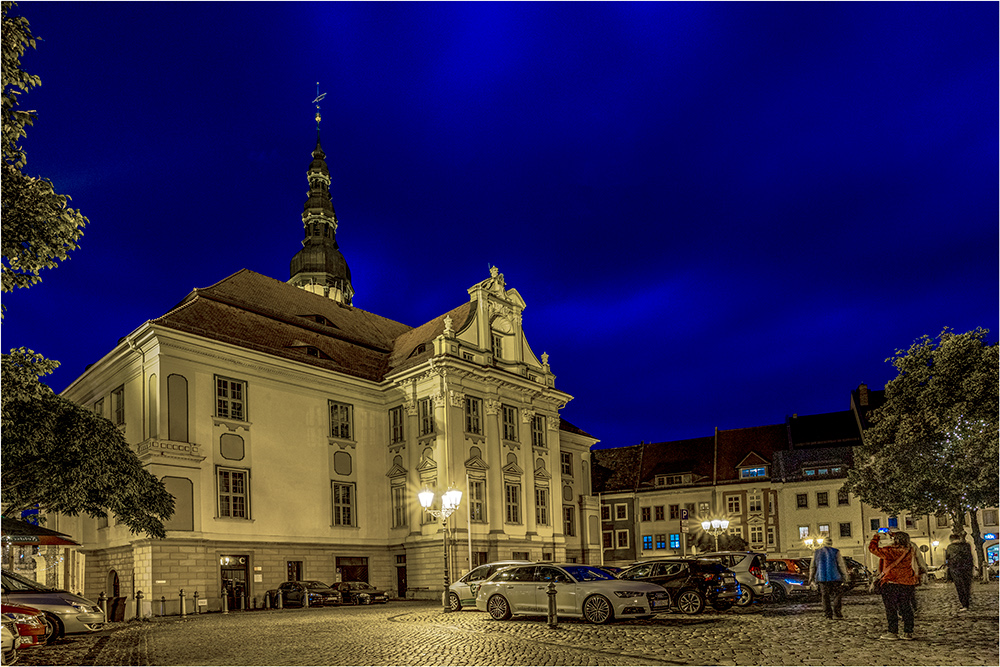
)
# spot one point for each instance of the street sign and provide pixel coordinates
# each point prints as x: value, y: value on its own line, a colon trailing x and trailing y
x: 684, y: 515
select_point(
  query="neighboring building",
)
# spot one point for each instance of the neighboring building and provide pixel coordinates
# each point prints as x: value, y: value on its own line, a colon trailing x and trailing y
x: 294, y: 431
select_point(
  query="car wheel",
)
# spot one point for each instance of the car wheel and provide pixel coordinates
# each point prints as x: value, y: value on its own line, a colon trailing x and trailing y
x: 746, y: 597
x: 597, y: 609
x: 778, y: 593
x: 453, y: 602
x: 722, y: 605
x: 690, y: 602
x: 498, y: 608
x: 53, y: 628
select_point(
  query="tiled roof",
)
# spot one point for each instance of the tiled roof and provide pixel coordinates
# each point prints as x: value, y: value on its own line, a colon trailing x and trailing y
x: 405, y: 352
x: 736, y: 444
x: 615, y: 469
x: 566, y: 426
x: 824, y: 430
x: 680, y: 456
x: 789, y: 464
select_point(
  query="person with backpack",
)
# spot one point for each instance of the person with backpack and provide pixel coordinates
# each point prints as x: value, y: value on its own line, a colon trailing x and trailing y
x: 958, y: 559
x: 829, y: 571
x: 899, y: 573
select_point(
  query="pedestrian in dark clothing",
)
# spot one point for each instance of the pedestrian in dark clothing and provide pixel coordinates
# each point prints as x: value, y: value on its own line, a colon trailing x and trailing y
x: 900, y: 576
x: 829, y: 572
x: 958, y: 558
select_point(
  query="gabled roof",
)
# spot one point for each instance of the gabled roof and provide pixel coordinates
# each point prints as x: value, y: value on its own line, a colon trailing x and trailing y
x: 736, y: 444
x: 830, y: 429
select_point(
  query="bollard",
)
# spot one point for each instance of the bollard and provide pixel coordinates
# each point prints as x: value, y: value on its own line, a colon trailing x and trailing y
x: 102, y: 602
x: 183, y: 608
x: 138, y: 604
x: 305, y: 598
x: 255, y: 602
x: 163, y: 606
x: 225, y: 603
x: 553, y: 619
x: 281, y: 601
x: 197, y: 609
x: 267, y: 600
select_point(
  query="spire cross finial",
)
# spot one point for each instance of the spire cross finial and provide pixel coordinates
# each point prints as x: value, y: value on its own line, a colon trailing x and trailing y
x: 316, y: 101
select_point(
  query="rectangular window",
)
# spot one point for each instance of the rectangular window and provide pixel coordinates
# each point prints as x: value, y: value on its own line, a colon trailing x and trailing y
x: 756, y: 534
x: 230, y: 398
x: 661, y: 541
x: 690, y: 508
x: 772, y: 498
x: 822, y: 499
x: 647, y: 542
x: 566, y: 463
x: 512, y: 495
x: 538, y: 431
x: 343, y: 504
x: 118, y: 404
x: 473, y: 415
x: 843, y: 497
x: 733, y: 504
x: 989, y: 517
x: 770, y: 536
x: 803, y: 532
x: 396, y: 425
x: 509, y: 423
x: 824, y: 529
x: 675, y: 512
x: 569, y: 521
x: 398, y: 492
x: 893, y: 522
x: 675, y: 540
x: 519, y: 555
x: 606, y: 512
x: 477, y: 500
x: 426, y: 415
x: 621, y: 539
x: 498, y: 346
x: 736, y: 530
x: 647, y: 514
x: 845, y: 529
x: 99, y: 407
x: 909, y: 522
x: 703, y: 509
x: 659, y: 512
x: 480, y: 558
x: 234, y: 494
x: 942, y: 521
x: 747, y: 473
x: 542, y: 507
x: 341, y: 420
x: 802, y: 500
x: 755, y: 504
x: 607, y: 539
x: 875, y: 524
x: 621, y: 512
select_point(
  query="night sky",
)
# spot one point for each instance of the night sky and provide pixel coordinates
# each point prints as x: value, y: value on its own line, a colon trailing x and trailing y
x: 718, y: 214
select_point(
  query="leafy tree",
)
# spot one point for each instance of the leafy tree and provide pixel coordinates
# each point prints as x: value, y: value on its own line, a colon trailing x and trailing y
x: 932, y: 447
x: 38, y: 228
x: 705, y: 542
x: 67, y: 459
x: 56, y: 455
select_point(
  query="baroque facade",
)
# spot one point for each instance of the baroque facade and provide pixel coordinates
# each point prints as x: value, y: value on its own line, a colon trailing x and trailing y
x: 294, y: 431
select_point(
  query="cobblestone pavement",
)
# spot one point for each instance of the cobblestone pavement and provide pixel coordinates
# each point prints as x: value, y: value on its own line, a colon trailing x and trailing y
x: 418, y: 633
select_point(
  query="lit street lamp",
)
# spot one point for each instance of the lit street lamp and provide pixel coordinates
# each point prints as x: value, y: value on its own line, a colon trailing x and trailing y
x: 715, y: 527
x: 449, y: 503
x: 934, y: 544
x: 814, y: 543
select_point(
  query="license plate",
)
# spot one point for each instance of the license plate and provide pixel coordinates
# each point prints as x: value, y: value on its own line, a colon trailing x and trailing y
x: 658, y: 603
x: 728, y: 580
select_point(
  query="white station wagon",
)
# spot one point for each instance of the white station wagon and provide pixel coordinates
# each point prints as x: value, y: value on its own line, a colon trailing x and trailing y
x: 581, y: 591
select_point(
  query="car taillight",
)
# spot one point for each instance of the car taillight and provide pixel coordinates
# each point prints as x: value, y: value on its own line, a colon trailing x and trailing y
x: 756, y: 571
x: 708, y: 576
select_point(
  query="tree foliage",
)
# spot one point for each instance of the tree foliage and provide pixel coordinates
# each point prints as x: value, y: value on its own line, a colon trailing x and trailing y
x: 932, y: 447
x: 67, y: 459
x: 38, y: 228
x: 705, y: 542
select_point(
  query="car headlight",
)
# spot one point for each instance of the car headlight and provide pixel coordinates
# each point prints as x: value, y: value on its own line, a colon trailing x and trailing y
x: 76, y: 605
x: 26, y: 619
x: 628, y: 594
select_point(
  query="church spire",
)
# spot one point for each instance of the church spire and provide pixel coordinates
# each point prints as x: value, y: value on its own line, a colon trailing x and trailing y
x: 319, y: 267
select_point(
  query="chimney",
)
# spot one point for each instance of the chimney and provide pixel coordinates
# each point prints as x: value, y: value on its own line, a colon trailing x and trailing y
x: 863, y: 395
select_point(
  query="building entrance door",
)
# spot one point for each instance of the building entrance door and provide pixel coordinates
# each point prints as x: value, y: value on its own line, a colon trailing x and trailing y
x: 352, y: 568
x: 234, y: 580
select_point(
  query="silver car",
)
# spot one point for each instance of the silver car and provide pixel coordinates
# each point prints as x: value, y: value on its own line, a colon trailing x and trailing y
x: 462, y: 593
x: 581, y: 591
x: 751, y: 573
x: 65, y: 612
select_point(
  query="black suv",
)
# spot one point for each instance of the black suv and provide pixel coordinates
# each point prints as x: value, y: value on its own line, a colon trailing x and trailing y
x: 691, y: 582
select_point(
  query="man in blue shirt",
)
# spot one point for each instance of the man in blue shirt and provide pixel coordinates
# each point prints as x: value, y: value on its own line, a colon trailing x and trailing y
x: 829, y: 572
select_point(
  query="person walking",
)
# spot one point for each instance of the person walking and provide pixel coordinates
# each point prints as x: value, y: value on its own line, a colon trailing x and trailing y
x: 958, y: 559
x: 829, y: 571
x: 900, y: 575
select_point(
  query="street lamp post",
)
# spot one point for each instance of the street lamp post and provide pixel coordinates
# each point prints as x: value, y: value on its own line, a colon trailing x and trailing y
x: 715, y: 527
x: 449, y: 503
x: 934, y: 544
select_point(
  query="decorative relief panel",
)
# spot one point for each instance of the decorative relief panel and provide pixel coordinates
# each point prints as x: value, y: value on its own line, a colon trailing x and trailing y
x: 457, y: 398
x: 492, y: 406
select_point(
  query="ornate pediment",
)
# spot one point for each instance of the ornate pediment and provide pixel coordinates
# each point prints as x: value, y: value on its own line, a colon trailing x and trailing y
x: 513, y: 469
x: 396, y: 471
x: 477, y: 463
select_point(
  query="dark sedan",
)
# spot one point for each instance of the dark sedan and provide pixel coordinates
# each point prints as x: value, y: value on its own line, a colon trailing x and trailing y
x: 691, y: 582
x: 294, y: 592
x: 361, y: 592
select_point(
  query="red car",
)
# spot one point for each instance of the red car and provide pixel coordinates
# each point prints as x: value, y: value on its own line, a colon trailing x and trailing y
x: 30, y: 624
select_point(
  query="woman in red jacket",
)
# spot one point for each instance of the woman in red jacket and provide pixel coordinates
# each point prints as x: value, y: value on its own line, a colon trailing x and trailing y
x: 900, y: 576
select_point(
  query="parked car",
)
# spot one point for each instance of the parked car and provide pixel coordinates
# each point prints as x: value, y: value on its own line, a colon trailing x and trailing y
x: 462, y: 593
x: 938, y: 572
x: 29, y: 623
x: 785, y: 585
x: 65, y: 612
x: 691, y: 582
x: 9, y: 640
x: 361, y: 592
x: 293, y: 593
x: 750, y: 573
x: 858, y: 574
x: 581, y: 591
x: 611, y: 569
x: 793, y: 565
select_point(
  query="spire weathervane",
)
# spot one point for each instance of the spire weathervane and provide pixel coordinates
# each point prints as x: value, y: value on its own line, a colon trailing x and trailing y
x: 316, y: 101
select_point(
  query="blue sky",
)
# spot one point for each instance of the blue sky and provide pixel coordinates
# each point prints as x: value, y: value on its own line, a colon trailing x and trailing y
x: 719, y: 214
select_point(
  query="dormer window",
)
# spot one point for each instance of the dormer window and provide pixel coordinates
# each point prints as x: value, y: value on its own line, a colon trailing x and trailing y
x: 750, y: 473
x: 672, y: 480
